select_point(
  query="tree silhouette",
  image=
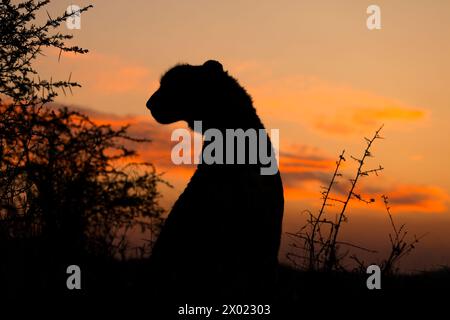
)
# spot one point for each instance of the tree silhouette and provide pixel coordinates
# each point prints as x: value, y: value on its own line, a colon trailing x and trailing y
x: 21, y: 42
x: 68, y: 188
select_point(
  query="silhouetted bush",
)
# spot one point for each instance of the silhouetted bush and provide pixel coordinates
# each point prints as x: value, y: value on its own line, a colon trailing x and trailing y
x: 62, y: 180
x: 317, y: 247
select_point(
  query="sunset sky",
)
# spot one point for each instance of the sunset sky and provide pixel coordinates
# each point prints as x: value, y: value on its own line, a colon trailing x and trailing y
x: 315, y: 72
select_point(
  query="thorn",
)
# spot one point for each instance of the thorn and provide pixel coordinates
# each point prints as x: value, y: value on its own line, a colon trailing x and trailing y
x: 356, y: 159
x: 48, y: 14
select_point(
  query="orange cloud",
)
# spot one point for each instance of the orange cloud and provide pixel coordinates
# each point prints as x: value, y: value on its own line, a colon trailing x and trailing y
x: 157, y: 152
x: 356, y: 120
x: 416, y: 198
x: 307, y: 193
x: 388, y: 113
x: 402, y: 199
x: 304, y: 169
x: 330, y: 108
x: 298, y: 161
x: 106, y: 74
x: 305, y: 176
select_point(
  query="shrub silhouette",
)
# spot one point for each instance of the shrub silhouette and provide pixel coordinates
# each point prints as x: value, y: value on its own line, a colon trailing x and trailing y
x: 222, y: 236
x: 317, y: 245
x: 67, y: 182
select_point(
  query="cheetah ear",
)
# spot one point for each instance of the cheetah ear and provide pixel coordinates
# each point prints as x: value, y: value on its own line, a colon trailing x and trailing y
x: 213, y: 65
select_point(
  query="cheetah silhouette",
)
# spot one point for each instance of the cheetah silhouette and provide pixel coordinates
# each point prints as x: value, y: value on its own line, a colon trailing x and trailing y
x: 222, y: 236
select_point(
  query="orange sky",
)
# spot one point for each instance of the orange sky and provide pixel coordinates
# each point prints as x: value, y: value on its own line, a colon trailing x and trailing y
x: 315, y: 72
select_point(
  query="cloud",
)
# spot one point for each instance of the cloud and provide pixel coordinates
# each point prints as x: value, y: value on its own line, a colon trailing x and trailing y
x: 296, y: 179
x: 304, y: 169
x: 387, y: 113
x: 402, y: 198
x: 107, y: 74
x: 357, y: 120
x: 418, y: 198
x: 158, y: 151
x: 298, y: 163
x: 330, y: 108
